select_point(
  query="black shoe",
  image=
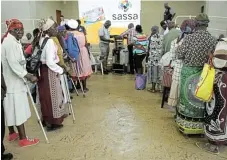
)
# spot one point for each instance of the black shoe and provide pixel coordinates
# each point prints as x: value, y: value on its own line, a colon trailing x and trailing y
x: 71, y: 97
x: 71, y: 90
x: 43, y: 123
x: 7, y: 156
x: 54, y: 127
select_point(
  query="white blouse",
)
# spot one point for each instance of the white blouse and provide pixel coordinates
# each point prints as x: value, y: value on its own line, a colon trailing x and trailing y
x: 49, y: 55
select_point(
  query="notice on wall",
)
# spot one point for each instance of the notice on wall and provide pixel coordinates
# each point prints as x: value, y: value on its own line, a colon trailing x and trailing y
x: 94, y: 13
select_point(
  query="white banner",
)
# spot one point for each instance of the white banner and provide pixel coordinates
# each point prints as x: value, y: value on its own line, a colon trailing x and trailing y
x: 93, y: 13
x: 119, y: 12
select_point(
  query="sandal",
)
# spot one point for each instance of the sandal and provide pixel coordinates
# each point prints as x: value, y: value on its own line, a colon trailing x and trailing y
x: 208, y: 147
x: 151, y: 90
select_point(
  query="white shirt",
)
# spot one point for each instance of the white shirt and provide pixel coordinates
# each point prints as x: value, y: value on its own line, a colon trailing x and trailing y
x: 14, y: 64
x: 63, y: 22
x: 166, y: 31
x: 105, y: 33
x: 49, y: 55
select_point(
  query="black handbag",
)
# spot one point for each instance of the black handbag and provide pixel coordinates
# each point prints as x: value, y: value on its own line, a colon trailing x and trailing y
x: 33, y: 62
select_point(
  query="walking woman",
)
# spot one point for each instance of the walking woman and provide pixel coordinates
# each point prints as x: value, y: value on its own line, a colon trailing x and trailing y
x: 83, y: 66
x: 155, y: 54
x: 49, y: 85
x: 139, y: 49
x: 16, y: 105
x: 194, y: 52
x: 187, y: 27
x: 216, y: 111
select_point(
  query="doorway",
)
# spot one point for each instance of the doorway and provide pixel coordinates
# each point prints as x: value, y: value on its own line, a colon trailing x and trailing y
x: 58, y: 16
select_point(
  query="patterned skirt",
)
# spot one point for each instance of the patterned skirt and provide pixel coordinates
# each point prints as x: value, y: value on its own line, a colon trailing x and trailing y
x: 216, y: 112
x: 51, y: 96
x: 175, y: 86
x: 190, y: 110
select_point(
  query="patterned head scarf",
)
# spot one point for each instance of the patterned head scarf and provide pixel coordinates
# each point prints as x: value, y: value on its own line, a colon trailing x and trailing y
x: 187, y: 25
x: 14, y: 24
x: 44, y: 25
x: 11, y: 25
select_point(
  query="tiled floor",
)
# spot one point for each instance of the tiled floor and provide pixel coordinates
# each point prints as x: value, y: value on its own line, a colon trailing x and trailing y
x: 114, y: 122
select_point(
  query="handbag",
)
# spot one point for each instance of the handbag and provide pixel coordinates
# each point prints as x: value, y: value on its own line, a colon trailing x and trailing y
x: 33, y: 62
x: 167, y: 77
x: 204, y: 89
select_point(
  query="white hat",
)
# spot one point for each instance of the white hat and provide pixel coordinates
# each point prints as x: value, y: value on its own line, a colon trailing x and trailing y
x: 49, y: 23
x: 73, y: 24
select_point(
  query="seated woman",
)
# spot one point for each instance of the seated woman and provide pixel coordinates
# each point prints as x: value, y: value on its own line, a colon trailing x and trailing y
x: 216, y: 111
x: 194, y: 52
x: 139, y: 49
x: 49, y: 85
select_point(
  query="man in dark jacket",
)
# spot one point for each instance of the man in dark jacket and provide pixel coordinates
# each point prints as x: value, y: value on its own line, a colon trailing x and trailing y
x: 7, y: 156
x: 169, y: 13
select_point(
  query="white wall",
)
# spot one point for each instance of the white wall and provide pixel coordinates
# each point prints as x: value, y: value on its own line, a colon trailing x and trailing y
x: 33, y: 10
x: 70, y: 9
x: 217, y: 8
x: 11, y: 9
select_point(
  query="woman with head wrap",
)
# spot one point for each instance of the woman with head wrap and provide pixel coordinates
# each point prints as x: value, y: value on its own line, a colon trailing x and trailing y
x: 50, y: 91
x: 194, y: 53
x: 155, y: 54
x: 84, y: 62
x: 187, y: 27
x: 216, y: 111
x: 62, y: 33
x: 17, y: 110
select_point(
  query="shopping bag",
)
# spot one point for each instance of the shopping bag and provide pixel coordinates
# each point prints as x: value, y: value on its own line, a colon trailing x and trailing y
x: 204, y: 89
x: 141, y: 80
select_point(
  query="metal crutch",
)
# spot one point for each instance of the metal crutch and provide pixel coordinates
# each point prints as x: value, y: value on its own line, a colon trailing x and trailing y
x: 36, y: 112
x: 69, y: 99
x: 78, y: 75
x: 77, y: 93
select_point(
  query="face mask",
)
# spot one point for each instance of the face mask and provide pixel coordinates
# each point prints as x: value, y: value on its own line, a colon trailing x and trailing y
x: 219, y: 63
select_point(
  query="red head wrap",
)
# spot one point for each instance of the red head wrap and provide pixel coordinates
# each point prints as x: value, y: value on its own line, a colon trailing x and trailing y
x: 11, y: 25
x: 14, y: 24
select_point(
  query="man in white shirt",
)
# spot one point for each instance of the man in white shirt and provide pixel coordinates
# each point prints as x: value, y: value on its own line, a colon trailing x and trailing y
x: 104, y: 44
x: 63, y: 21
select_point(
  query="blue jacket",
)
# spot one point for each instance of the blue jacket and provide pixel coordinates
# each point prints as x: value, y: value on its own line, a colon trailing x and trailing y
x: 72, y: 46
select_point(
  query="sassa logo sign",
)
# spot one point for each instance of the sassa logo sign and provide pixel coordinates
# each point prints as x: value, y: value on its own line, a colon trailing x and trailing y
x: 125, y: 16
x: 125, y: 5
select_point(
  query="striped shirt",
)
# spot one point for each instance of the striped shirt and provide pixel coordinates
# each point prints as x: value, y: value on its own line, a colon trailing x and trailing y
x: 140, y: 44
x: 130, y: 33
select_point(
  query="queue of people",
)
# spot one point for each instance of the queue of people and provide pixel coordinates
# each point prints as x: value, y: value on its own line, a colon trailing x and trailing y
x: 65, y: 57
x: 187, y: 52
